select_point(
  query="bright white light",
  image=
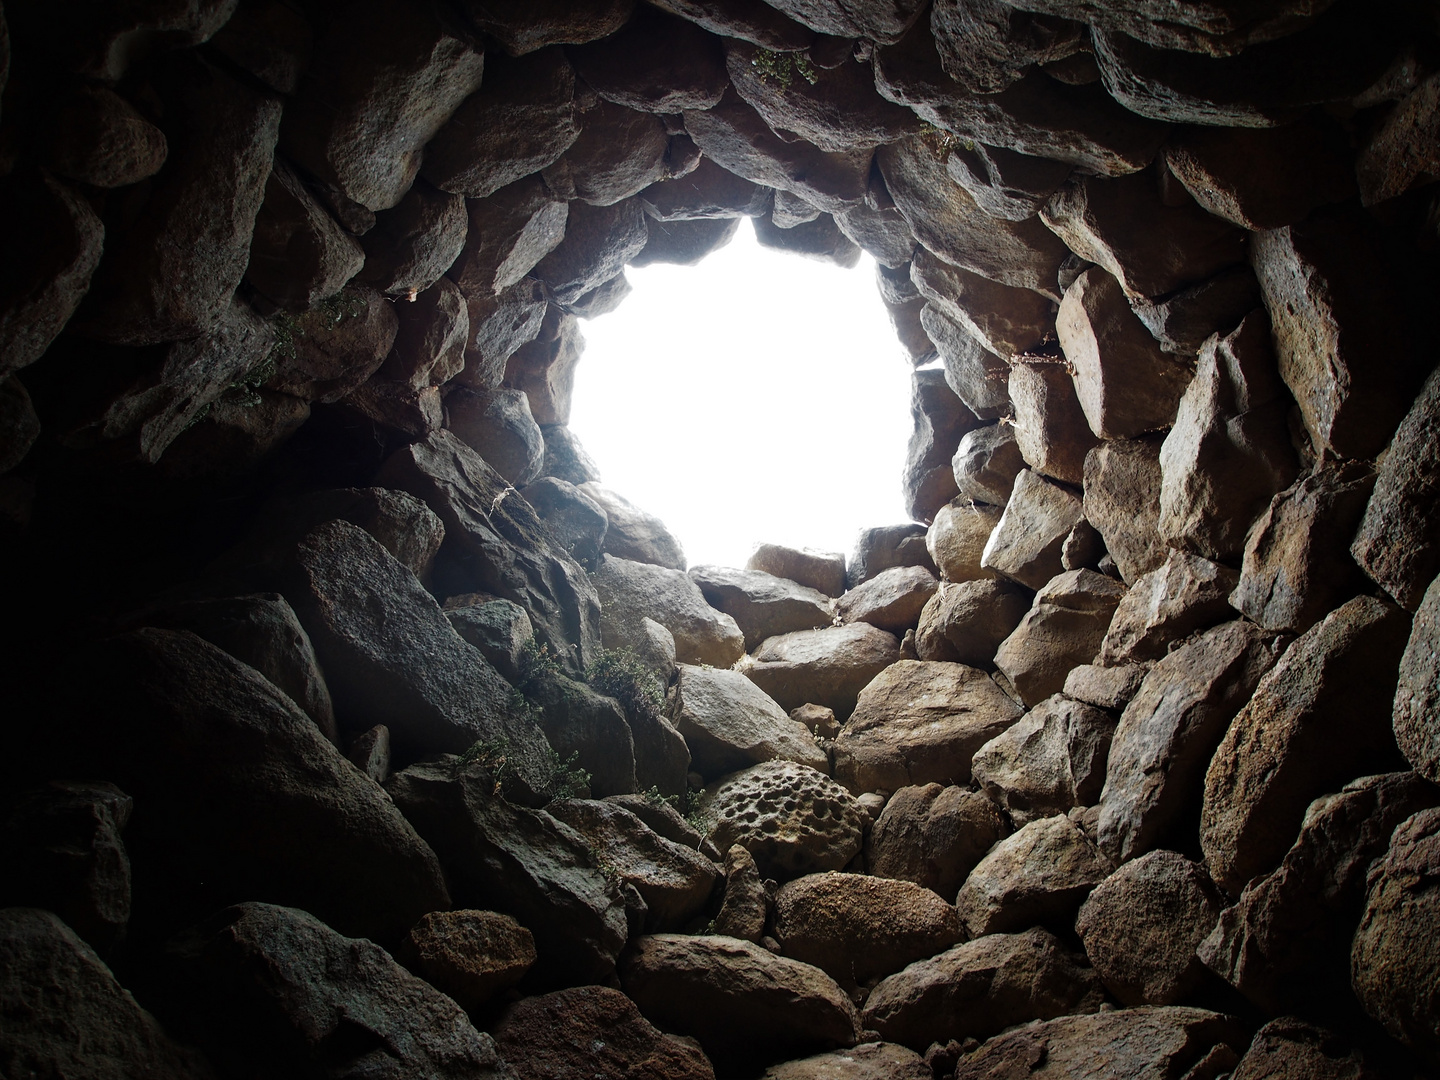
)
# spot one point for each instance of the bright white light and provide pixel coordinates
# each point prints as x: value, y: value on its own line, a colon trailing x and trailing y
x: 757, y: 396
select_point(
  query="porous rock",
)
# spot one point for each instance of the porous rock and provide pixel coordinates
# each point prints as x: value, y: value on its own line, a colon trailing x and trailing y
x: 469, y: 955
x: 933, y: 835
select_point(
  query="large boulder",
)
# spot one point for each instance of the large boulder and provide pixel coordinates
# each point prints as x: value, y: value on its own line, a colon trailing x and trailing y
x: 957, y: 538
x: 828, y: 667
x: 471, y: 956
x: 1026, y: 543
x: 1051, y: 759
x: 891, y: 600
x: 1416, y: 717
x: 1288, y: 1047
x: 746, y: 1006
x: 1123, y: 481
x: 499, y: 426
x: 933, y: 836
x: 1186, y: 594
x: 1051, y: 430
x: 881, y: 547
x: 966, y: 622
x: 920, y: 722
x: 823, y: 571
x: 633, y: 533
x: 1063, y: 629
x: 978, y: 989
x: 868, y: 1061
x: 762, y: 604
x: 1318, y: 718
x: 729, y: 723
x: 630, y: 591
x: 986, y: 464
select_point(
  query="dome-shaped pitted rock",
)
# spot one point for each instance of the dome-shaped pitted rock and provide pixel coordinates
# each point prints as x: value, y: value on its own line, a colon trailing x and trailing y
x: 828, y: 667
x: 920, y: 722
x: 1141, y: 926
x: 1417, y: 695
x: 1051, y: 759
x: 271, y: 990
x: 933, y: 836
x: 891, y: 600
x: 855, y: 928
x: 630, y: 591
x: 792, y: 819
x: 593, y: 1033
x: 729, y: 723
x: 980, y: 988
x: 1039, y: 874
x: 868, y: 1061
x: 1395, y: 959
x: 1064, y: 628
x: 762, y: 604
x: 746, y: 1006
x: 469, y: 955
x: 674, y: 881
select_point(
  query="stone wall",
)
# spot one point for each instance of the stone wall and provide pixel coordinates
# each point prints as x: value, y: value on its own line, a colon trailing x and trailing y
x: 1130, y: 736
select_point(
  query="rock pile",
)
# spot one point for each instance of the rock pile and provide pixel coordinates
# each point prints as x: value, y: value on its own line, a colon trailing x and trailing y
x: 355, y: 728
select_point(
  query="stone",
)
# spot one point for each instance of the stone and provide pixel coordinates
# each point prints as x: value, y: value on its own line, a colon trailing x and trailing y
x: 957, y: 538
x: 502, y: 325
x: 53, y: 982
x: 685, y: 242
x: 709, y: 192
x: 245, y: 796
x: 744, y: 1005
x: 1063, y: 629
x: 544, y: 366
x: 1392, y: 961
x: 589, y: 1032
x: 1025, y: 544
x: 858, y: 928
x: 1181, y: 323
x: 587, y: 730
x: 833, y: 108
x: 631, y: 590
x: 734, y: 136
x: 868, y: 1061
x: 1003, y: 183
x: 1297, y: 564
x: 944, y: 218
x: 510, y: 231
x: 1149, y: 1041
x: 674, y: 881
x: 792, y: 819
x: 933, y: 835
x: 1048, y: 761
x: 381, y: 83
x: 1264, y: 178
x: 823, y: 571
x: 238, y: 433
x: 880, y: 548
x: 1184, y: 595
x: 818, y: 720
x: 1319, y: 284
x: 335, y: 347
x: 415, y: 242
x: 978, y: 376
x: 1285, y: 944
x: 1292, y: 1048
x: 1039, y: 874
x: 370, y: 753
x: 1122, y: 501
x: 656, y: 63
x: 565, y: 457
x: 986, y: 47
x: 978, y: 989
x: 633, y: 533
x: 819, y: 239
x: 270, y: 41
x: 1333, y: 688
x: 262, y: 631
x: 522, y: 28
x: 829, y: 666
x: 1228, y: 451
x: 395, y: 410
x: 1416, y: 730
x: 63, y: 850
x: 1169, y: 731
x: 99, y: 138
x: 469, y: 956
x: 576, y: 520
x: 745, y: 909
x: 294, y: 985
x: 986, y: 464
x: 919, y: 722
x: 1141, y: 925
x: 505, y: 857
x: 891, y: 600
x: 299, y: 254
x: 599, y: 241
x: 1401, y: 151
x: 730, y: 724
x: 965, y: 622
x: 618, y: 153
x: 939, y: 419
x: 1398, y: 542
x: 762, y: 604
x: 519, y: 122
x: 429, y: 347
x: 497, y: 544
x: 498, y: 425
x: 173, y: 273
x: 1051, y: 428
x: 885, y: 23
x: 1110, y: 688
x: 662, y: 818
x: 748, y: 20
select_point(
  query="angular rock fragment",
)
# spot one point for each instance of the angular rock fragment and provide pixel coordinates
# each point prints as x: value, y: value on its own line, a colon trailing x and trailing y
x: 510, y: 231
x: 884, y: 23
x: 748, y: 20
x: 633, y: 533
x: 1402, y: 150
x: 823, y: 571
x: 684, y: 242
x: 978, y: 376
x: 429, y: 347
x: 618, y: 153
x: 957, y: 538
x: 1186, y: 594
x: 1051, y: 759
x: 468, y: 955
x: 709, y: 192
x: 414, y: 242
x: 657, y: 63
x: 1051, y: 427
x: 826, y: 667
x: 819, y: 239
x: 965, y: 622
x: 1109, y: 688
x: 939, y: 421
x: 1122, y: 501
x: 762, y: 604
x: 1063, y: 629
x: 498, y: 425
x: 1415, y: 713
x: 1026, y: 542
x: 599, y: 241
x: 986, y: 464
x: 868, y: 1061
x: 1003, y: 183
x: 1181, y: 322
x: 334, y: 348
x: 524, y: 28
x: 631, y: 590
x: 933, y: 836
x: 565, y: 457
x: 299, y: 254
x: 99, y: 138
x: 745, y: 910
x: 880, y: 548
x: 729, y: 723
x: 891, y: 600
x: 1290, y: 1047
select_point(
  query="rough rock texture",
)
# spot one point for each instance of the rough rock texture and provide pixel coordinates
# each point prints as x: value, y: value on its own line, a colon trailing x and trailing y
x: 977, y: 989
x: 499, y: 426
x: 468, y: 955
x: 939, y: 419
x: 1050, y: 426
x: 966, y: 622
x: 630, y: 591
x: 823, y: 571
x: 1186, y: 594
x: 826, y: 667
x: 986, y: 464
x: 1415, y: 713
x: 1141, y: 926
x: 1051, y: 759
x: 881, y: 548
x: 763, y: 604
x: 745, y: 909
x: 1026, y: 543
x: 919, y: 722
x: 743, y: 1004
x: 1292, y: 1048
x: 957, y: 537
x: 891, y: 600
x: 1122, y: 501
x: 1333, y: 688
x: 634, y: 534
x: 933, y: 836
x: 1039, y: 874
x: 729, y: 723
x: 868, y: 1061
x: 1105, y: 687
x: 1063, y: 629
x: 792, y: 819
x: 1169, y: 730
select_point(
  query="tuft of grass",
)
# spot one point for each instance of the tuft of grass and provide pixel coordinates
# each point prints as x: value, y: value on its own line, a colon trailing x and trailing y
x: 620, y: 674
x: 564, y: 779
x: 781, y: 68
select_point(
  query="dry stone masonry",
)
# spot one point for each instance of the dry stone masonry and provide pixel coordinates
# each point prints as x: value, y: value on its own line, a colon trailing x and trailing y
x: 353, y: 727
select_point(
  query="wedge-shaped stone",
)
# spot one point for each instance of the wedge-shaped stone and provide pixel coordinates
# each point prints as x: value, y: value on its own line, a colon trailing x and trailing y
x: 599, y: 241
x: 1051, y: 428
x: 883, y: 546
x: 965, y: 622
x: 891, y: 600
x: 1037, y: 875
x: 1403, y: 149
x: 978, y: 376
x: 1005, y: 319
x: 762, y: 604
x: 986, y: 464
x: 957, y: 537
x: 1122, y: 501
x: 708, y: 192
x: 1026, y: 543
x: 729, y: 723
x: 299, y: 254
x: 1169, y: 730
x: 469, y: 956
x: 1416, y: 716
x: 938, y: 421
x: 978, y: 989
x: 823, y: 571
x: 656, y: 63
x: 920, y: 722
x: 748, y: 20
x: 1109, y: 688
x: 744, y: 1005
x: 828, y: 667
x: 1051, y: 759
x: 933, y: 836
x: 1063, y: 629
x: 1186, y: 594
x: 1003, y: 183
x: 510, y: 231
x: 632, y: 533
x: 1291, y: 1047
x: 1320, y: 716
x: 630, y: 591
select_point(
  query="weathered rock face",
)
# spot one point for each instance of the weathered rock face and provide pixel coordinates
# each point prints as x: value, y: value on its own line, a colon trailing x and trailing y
x: 468, y: 955
x: 933, y: 836
x: 1051, y: 759
x: 868, y: 1061
x: 1186, y: 594
x: 1123, y: 481
x: 826, y: 667
x: 764, y: 605
x: 891, y: 600
x: 1416, y: 729
x: 1063, y: 629
x: 966, y: 622
x: 634, y: 534
x: 821, y: 571
x: 729, y: 724
x: 630, y: 591
x: 1026, y: 543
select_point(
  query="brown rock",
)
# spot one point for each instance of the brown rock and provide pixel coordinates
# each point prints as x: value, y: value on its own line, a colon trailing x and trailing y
x: 1050, y: 426
x: 335, y: 347
x: 939, y: 419
x: 299, y: 254
x: 1289, y: 1048
x: 857, y: 928
x: 599, y: 241
x: 710, y: 191
x: 1051, y: 759
x: 1110, y: 688
x: 965, y: 622
x: 657, y: 63
x: 633, y: 533
x: 1402, y: 150
x: 1063, y: 629
x: 956, y: 539
x: 1186, y: 594
x: 1026, y: 542
x: 892, y: 600
x: 745, y: 910
x: 933, y: 836
x: 819, y: 239
x: 823, y: 571
x: 1122, y: 501
x: 868, y: 1061
x: 1332, y: 689
x: 764, y: 605
x: 978, y: 989
x: 1182, y: 322
x: 1414, y: 718
x: 748, y: 20
x: 469, y: 955
x: 828, y: 667
x: 1039, y: 874
x: 510, y: 231
x: 919, y: 722
x: 1141, y: 926
x: 618, y: 153
x: 986, y: 464
x: 97, y: 137
x: 729, y: 723
x: 978, y: 376
x: 415, y: 242
x: 885, y: 22
x: 429, y: 347
x: 631, y: 590
x: 524, y: 27
x: 878, y: 549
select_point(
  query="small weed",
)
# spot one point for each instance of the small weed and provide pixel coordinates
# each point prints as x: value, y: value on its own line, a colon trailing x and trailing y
x: 620, y: 674
x: 943, y: 142
x: 492, y: 755
x: 781, y: 68
x: 567, y: 779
